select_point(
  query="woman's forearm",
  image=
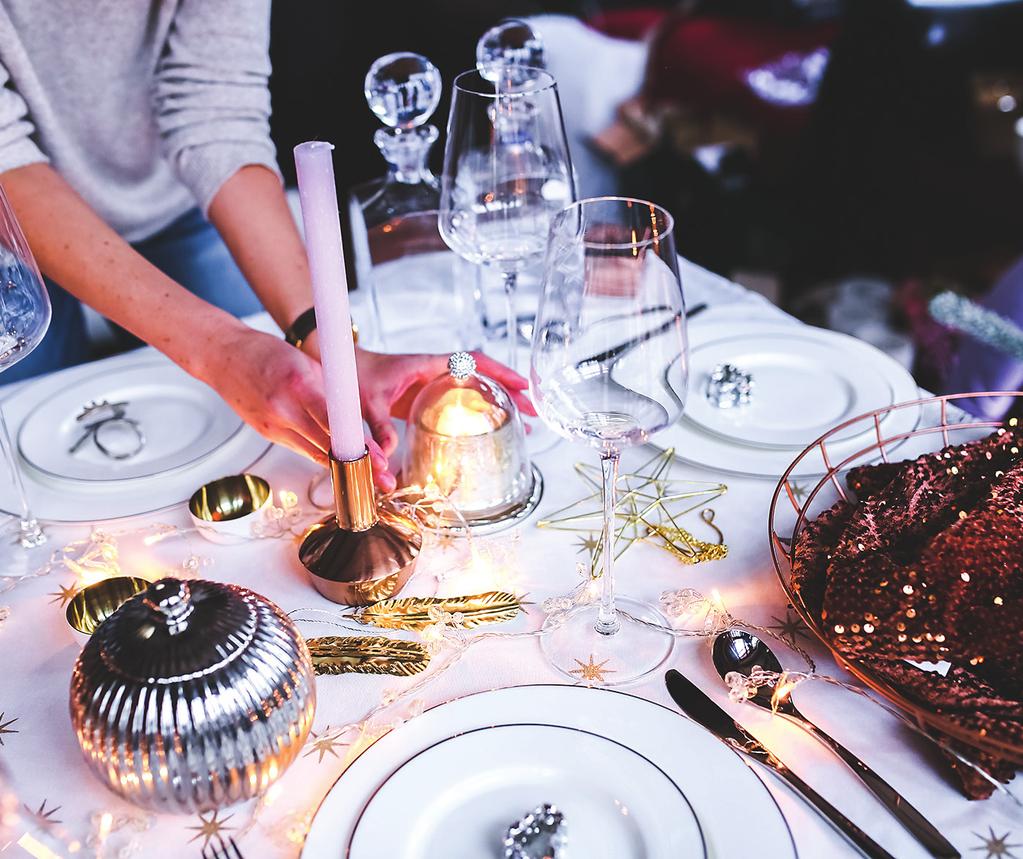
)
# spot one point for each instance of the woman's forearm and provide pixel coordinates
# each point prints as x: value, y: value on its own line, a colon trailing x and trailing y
x: 77, y: 250
x: 251, y: 213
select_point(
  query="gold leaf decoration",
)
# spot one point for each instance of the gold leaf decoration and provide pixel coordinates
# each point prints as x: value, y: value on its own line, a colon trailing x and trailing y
x: 367, y: 654
x: 417, y: 613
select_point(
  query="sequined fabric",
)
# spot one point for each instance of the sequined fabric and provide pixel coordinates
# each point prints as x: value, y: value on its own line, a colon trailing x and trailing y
x: 928, y: 566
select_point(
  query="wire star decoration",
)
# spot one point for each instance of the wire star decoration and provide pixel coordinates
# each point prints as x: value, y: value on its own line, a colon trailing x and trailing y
x: 326, y: 743
x: 210, y: 827
x: 648, y: 508
x: 790, y: 628
x: 591, y: 671
x: 997, y: 846
x: 5, y: 727
x: 43, y: 816
x: 64, y: 595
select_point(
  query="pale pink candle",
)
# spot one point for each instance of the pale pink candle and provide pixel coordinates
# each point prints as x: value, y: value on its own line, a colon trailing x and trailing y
x: 315, y: 168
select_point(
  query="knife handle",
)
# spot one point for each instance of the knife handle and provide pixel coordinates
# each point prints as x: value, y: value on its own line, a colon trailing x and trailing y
x: 918, y: 825
x: 867, y: 845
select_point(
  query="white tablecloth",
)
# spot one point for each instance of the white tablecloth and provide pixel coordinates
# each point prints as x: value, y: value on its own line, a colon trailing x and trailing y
x: 42, y: 761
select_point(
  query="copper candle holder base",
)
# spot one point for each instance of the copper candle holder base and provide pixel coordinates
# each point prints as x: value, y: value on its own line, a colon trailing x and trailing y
x: 367, y: 551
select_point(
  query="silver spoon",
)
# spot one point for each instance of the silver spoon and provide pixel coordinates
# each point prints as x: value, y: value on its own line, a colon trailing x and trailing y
x: 739, y: 650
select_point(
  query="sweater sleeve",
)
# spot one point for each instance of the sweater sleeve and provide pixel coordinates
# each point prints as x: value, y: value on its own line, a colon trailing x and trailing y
x: 17, y: 148
x: 212, y: 94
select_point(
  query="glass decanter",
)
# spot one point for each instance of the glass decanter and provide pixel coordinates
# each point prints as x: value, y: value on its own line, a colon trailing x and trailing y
x: 395, y: 217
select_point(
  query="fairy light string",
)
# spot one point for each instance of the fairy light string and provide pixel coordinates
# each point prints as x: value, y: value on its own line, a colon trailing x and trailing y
x: 691, y: 613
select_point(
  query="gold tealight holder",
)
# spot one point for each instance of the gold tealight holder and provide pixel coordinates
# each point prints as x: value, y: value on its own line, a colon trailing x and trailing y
x: 465, y: 437
x: 367, y: 550
x: 225, y: 510
x: 94, y: 604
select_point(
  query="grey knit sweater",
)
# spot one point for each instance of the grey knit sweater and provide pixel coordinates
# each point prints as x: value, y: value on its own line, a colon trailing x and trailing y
x: 146, y: 107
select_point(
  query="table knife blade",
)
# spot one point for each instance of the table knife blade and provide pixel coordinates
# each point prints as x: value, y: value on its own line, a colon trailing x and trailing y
x: 701, y: 709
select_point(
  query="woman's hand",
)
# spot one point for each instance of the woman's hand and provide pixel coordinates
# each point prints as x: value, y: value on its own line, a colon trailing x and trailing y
x: 389, y: 383
x: 278, y: 390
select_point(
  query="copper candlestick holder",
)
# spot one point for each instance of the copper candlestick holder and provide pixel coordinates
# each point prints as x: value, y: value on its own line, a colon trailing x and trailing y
x: 368, y: 549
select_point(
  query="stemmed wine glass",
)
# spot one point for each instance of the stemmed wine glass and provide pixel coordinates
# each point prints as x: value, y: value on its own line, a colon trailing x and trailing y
x: 507, y: 172
x: 24, y: 318
x: 609, y: 367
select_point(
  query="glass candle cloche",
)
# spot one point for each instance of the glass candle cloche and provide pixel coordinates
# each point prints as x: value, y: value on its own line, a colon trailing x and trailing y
x: 465, y: 436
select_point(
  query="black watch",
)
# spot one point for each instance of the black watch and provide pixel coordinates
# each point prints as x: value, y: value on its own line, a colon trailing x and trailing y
x: 299, y: 330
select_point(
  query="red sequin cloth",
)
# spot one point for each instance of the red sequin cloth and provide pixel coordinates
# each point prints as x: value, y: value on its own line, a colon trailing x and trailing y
x: 928, y: 566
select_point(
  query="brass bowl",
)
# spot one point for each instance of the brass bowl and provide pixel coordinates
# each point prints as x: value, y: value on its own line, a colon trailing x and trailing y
x: 225, y: 510
x: 94, y: 604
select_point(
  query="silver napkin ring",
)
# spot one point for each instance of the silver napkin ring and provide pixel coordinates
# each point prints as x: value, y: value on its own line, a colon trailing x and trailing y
x: 728, y: 387
x: 107, y: 424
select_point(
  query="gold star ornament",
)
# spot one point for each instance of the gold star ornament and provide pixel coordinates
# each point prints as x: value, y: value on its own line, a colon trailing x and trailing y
x: 210, y: 827
x: 5, y: 727
x: 43, y: 816
x: 64, y: 595
x: 592, y: 672
x: 996, y: 846
x: 326, y: 743
x: 791, y: 628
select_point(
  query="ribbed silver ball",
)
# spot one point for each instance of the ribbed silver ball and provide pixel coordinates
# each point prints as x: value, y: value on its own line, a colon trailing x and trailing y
x: 193, y: 696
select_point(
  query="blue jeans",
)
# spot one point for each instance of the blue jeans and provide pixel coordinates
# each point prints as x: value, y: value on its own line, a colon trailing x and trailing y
x: 190, y: 251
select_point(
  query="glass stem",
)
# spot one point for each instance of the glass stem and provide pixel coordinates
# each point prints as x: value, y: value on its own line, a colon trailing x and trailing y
x: 510, y: 283
x: 30, y: 533
x: 607, y: 617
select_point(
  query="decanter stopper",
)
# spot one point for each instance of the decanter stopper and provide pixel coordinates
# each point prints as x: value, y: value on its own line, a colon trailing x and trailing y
x: 511, y: 43
x: 403, y: 90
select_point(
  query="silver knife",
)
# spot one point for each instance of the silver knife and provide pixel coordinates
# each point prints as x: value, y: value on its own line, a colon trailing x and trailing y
x: 695, y: 704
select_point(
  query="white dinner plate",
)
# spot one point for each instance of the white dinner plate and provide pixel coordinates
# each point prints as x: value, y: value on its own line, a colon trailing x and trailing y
x: 692, y: 443
x: 805, y: 382
x: 182, y: 421
x: 614, y: 800
x: 716, y: 782
x: 55, y: 499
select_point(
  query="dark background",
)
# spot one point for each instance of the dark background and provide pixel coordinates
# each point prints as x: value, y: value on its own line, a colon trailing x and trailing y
x: 903, y: 169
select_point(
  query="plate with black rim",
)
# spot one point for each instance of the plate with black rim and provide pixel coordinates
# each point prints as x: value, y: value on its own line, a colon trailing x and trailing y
x: 459, y: 796
x: 713, y: 779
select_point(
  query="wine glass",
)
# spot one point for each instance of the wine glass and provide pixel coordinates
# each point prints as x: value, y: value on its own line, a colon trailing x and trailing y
x: 507, y: 172
x: 24, y: 318
x: 609, y: 367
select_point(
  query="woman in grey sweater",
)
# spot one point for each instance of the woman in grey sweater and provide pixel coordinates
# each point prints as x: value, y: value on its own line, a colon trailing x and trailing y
x: 135, y: 149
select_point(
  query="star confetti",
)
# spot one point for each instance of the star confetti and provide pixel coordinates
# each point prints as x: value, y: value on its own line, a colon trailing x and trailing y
x: 791, y: 628
x: 43, y: 816
x: 64, y: 595
x: 591, y: 671
x: 996, y: 846
x: 210, y: 827
x: 649, y: 505
x: 325, y: 743
x: 5, y: 727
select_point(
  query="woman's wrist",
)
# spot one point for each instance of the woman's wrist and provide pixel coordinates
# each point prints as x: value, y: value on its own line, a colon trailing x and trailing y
x: 202, y: 352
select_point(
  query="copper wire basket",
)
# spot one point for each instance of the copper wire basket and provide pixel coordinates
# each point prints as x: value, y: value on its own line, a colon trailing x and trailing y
x: 940, y: 422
